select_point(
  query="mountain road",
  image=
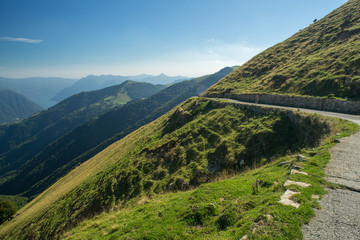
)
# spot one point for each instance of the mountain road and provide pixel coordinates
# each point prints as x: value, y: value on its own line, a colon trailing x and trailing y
x: 338, y: 217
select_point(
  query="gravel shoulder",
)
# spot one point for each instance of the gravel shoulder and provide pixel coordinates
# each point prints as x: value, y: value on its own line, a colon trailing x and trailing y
x: 339, y: 216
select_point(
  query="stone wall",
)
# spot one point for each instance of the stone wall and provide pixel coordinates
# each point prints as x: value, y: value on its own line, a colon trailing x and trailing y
x: 326, y: 104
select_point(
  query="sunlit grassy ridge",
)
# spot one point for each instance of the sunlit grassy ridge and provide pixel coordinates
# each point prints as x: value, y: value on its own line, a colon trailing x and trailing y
x: 131, y: 184
x: 321, y: 60
x: 226, y: 209
x: 197, y: 142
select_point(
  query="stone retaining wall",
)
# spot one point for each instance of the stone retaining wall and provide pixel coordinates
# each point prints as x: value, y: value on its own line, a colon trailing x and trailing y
x: 333, y: 105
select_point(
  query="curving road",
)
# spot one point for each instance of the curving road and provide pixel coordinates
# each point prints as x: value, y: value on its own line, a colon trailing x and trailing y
x: 350, y: 117
x: 339, y: 217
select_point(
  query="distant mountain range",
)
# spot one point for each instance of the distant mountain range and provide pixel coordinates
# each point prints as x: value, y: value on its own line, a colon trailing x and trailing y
x: 201, y: 140
x: 22, y: 141
x: 14, y: 106
x: 92, y: 82
x: 48, y: 91
x: 39, y: 151
x: 38, y: 89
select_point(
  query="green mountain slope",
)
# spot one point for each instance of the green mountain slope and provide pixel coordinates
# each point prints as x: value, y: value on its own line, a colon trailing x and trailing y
x: 192, y: 144
x: 21, y: 141
x: 320, y: 60
x: 169, y: 162
x: 66, y: 152
x: 14, y: 106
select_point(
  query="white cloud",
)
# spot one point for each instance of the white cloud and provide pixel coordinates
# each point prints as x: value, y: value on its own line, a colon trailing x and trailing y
x: 26, y: 40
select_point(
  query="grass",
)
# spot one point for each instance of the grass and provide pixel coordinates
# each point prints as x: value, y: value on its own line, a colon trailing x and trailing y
x: 321, y: 60
x: 198, y: 142
x: 225, y: 209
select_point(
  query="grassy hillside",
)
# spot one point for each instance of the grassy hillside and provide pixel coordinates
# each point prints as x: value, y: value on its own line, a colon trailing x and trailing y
x: 225, y: 209
x: 68, y: 151
x: 322, y: 60
x: 20, y: 142
x: 197, y: 142
x: 14, y: 106
x: 210, y: 168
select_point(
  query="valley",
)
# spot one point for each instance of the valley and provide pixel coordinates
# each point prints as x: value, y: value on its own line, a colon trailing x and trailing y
x: 258, y: 151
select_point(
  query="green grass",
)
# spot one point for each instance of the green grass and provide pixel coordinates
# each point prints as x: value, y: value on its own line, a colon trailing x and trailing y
x: 226, y: 209
x: 198, y: 142
x: 321, y: 60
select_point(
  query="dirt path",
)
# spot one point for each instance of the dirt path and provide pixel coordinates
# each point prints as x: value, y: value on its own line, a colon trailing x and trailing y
x: 339, y: 217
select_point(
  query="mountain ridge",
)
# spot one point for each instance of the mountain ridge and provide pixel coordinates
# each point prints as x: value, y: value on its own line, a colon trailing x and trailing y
x: 22, y: 141
x: 204, y: 140
x: 321, y: 60
x: 94, y: 82
x: 38, y: 89
x: 14, y: 106
x: 68, y: 151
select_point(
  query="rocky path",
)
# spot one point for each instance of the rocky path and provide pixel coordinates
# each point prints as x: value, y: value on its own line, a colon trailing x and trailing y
x: 339, y: 217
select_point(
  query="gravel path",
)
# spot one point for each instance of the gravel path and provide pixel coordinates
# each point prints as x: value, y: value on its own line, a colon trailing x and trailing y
x: 344, y: 167
x: 339, y: 217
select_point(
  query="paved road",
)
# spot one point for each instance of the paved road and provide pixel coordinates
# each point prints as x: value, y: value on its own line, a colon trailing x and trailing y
x: 339, y: 217
x: 352, y: 118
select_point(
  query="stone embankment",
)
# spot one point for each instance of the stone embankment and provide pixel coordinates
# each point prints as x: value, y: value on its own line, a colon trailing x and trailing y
x: 324, y: 104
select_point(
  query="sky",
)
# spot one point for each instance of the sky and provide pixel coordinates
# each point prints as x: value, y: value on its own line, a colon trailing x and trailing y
x: 76, y: 38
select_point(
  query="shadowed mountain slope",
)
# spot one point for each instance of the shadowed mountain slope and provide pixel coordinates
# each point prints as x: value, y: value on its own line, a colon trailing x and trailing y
x: 59, y: 157
x: 190, y: 145
x: 203, y: 140
x: 22, y: 141
x: 14, y: 106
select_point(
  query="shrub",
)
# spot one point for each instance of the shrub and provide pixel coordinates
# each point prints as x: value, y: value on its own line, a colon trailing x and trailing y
x: 7, y: 210
x: 227, y: 217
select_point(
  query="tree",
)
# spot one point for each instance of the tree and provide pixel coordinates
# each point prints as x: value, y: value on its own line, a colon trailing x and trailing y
x: 7, y: 210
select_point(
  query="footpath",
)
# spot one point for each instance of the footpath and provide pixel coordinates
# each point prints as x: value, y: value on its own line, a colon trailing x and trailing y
x: 339, y: 216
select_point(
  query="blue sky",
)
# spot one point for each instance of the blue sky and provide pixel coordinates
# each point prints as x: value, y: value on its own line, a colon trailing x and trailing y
x: 127, y: 37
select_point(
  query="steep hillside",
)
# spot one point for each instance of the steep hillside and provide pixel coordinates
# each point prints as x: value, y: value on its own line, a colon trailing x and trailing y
x: 165, y: 180
x: 322, y: 60
x: 62, y: 155
x: 21, y: 141
x: 38, y: 89
x: 194, y: 143
x: 14, y: 106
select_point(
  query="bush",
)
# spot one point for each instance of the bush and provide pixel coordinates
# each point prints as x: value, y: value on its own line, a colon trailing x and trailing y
x: 7, y: 210
x: 200, y: 214
x: 227, y: 218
